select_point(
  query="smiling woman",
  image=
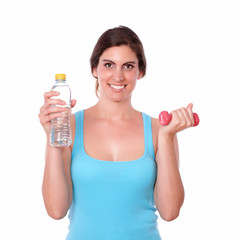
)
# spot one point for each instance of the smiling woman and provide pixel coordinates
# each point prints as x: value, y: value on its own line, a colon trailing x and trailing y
x: 117, y: 72
x: 122, y: 165
x: 121, y: 36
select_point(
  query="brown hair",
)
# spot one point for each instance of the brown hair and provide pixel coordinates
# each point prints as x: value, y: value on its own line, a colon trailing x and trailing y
x: 116, y: 37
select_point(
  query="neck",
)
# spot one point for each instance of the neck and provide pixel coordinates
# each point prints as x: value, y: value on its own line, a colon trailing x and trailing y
x: 114, y: 110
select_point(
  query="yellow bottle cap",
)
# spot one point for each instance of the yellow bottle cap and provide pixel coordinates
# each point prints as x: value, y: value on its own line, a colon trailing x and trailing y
x: 60, y: 76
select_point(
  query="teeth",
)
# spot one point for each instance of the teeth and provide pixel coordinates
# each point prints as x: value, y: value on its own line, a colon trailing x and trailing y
x: 117, y: 87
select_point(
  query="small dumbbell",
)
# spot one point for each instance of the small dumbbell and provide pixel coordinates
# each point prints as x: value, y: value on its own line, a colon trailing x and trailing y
x: 165, y: 118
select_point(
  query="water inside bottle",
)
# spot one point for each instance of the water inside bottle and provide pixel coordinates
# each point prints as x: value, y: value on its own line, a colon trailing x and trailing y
x: 60, y: 130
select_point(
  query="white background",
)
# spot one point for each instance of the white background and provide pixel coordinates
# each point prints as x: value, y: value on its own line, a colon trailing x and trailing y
x: 192, y: 49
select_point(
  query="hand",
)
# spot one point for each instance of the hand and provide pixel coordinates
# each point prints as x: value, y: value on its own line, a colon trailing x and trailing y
x: 48, y: 112
x: 182, y: 118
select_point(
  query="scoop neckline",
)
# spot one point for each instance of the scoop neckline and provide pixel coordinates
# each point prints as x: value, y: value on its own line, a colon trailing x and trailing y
x: 115, y: 162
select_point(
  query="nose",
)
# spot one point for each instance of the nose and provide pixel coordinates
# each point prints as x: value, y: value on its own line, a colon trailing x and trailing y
x: 118, y: 74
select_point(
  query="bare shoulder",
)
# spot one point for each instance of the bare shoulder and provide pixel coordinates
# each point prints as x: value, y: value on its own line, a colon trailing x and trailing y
x: 155, y: 129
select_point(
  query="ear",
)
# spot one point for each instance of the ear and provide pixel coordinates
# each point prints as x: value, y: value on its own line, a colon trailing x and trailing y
x: 95, y: 72
x: 141, y: 74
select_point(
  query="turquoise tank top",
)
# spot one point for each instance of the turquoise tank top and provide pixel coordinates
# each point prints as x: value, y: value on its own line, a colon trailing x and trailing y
x: 113, y: 200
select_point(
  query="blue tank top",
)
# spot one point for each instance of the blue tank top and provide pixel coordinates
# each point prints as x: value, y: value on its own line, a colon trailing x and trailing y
x: 113, y: 200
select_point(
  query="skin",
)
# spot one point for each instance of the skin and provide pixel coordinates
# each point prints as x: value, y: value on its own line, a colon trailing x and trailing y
x: 111, y: 119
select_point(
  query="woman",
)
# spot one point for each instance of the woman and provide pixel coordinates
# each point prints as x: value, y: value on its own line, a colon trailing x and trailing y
x: 122, y: 165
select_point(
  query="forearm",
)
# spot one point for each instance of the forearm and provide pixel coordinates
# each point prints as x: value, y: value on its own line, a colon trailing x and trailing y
x: 169, y: 191
x: 55, y: 188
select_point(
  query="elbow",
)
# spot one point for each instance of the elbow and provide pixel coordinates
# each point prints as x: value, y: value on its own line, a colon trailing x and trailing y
x: 169, y: 208
x: 170, y: 216
x: 169, y: 212
x: 56, y: 211
x: 57, y: 215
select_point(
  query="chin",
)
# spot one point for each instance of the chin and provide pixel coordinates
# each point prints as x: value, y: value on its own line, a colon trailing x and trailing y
x: 121, y: 98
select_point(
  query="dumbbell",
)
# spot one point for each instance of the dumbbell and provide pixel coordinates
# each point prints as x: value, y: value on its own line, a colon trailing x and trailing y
x: 165, y: 118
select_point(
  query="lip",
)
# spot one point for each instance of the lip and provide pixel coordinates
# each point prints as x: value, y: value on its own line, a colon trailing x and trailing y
x: 118, y: 85
x: 115, y: 84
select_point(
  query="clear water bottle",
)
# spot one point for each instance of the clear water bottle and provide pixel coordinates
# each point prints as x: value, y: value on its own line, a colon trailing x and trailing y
x: 60, y: 134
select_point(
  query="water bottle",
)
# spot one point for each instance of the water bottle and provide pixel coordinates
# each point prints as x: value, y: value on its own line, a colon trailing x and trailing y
x: 60, y: 133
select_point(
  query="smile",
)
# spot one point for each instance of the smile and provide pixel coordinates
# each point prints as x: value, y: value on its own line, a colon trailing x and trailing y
x: 117, y: 87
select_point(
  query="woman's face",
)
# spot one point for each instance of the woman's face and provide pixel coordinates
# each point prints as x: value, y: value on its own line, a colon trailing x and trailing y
x: 117, y: 72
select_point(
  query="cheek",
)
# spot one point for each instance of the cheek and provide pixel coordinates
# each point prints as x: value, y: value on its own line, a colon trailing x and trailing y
x: 104, y: 74
x: 133, y: 76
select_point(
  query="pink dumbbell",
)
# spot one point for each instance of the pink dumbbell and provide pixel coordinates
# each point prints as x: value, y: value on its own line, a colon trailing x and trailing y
x: 165, y: 118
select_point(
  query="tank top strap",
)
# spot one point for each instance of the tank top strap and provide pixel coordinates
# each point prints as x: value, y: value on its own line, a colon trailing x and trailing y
x: 148, y: 138
x: 79, y: 139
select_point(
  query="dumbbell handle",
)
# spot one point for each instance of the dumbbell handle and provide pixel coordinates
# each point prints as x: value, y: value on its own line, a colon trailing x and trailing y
x: 165, y: 118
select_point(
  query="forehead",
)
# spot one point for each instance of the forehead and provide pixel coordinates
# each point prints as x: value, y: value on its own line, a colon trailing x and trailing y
x: 118, y: 53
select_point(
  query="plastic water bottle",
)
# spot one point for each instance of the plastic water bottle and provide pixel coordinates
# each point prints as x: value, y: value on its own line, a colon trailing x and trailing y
x: 60, y: 134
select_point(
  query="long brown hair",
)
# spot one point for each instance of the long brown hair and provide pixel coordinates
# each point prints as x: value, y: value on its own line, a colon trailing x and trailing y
x: 116, y: 37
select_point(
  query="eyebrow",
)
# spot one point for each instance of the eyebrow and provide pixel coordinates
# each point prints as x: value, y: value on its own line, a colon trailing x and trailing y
x: 107, y: 60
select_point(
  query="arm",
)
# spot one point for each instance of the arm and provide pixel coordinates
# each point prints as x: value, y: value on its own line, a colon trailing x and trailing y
x: 169, y: 191
x: 57, y: 184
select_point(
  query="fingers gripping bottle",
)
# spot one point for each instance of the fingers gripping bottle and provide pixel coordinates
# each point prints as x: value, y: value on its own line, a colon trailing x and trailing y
x: 60, y: 133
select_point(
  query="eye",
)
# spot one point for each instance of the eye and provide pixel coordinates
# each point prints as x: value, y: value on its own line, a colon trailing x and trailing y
x: 128, y: 66
x: 108, y: 65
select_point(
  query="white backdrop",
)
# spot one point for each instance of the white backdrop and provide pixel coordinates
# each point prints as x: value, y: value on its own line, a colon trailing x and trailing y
x: 193, y: 56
